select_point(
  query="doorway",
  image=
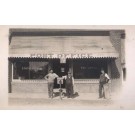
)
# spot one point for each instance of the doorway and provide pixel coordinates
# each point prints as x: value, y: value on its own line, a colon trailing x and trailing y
x: 61, y: 69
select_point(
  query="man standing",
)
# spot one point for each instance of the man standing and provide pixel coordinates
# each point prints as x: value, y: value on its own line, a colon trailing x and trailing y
x: 104, y: 78
x: 69, y: 85
x: 50, y: 78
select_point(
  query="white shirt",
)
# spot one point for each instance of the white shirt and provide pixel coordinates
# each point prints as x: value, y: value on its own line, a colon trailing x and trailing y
x: 106, y: 75
x: 50, y: 77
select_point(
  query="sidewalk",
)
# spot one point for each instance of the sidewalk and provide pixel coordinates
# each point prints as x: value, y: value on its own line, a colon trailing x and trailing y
x: 81, y: 96
x: 41, y: 101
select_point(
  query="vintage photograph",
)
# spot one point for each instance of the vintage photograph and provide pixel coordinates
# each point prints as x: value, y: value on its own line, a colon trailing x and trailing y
x: 66, y: 68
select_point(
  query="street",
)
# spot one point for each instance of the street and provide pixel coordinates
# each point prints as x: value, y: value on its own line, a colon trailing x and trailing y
x: 83, y: 101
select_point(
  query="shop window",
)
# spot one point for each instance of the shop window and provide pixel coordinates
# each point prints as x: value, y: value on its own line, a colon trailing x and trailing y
x: 88, y: 69
x: 29, y: 70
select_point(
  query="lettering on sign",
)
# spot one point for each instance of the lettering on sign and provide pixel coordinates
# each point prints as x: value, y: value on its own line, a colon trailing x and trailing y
x: 61, y: 56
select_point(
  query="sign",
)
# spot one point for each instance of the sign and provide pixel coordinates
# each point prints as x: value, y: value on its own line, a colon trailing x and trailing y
x: 59, y: 79
x: 62, y: 60
x: 63, y: 57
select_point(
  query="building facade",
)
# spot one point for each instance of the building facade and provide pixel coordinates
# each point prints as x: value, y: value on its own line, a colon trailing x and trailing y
x: 33, y: 52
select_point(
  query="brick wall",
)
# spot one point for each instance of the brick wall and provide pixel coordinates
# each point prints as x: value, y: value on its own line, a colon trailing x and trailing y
x: 42, y: 87
x: 116, y: 69
x: 89, y: 87
x: 29, y: 87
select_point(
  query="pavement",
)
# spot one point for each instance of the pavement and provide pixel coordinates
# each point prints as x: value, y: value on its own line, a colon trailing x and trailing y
x: 84, y: 101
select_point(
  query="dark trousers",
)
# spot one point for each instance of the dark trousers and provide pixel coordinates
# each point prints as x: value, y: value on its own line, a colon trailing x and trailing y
x: 50, y: 89
x: 101, y: 90
x: 69, y: 90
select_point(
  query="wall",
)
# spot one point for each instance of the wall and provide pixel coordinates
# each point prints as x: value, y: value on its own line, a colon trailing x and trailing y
x: 116, y: 69
x: 89, y: 87
x: 41, y: 87
x: 26, y: 87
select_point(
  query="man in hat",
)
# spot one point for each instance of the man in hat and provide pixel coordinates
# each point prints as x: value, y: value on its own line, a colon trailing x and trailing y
x: 104, y: 78
x: 69, y: 85
x: 50, y: 78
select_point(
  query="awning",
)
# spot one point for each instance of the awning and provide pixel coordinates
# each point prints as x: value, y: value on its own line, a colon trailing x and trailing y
x: 62, y: 47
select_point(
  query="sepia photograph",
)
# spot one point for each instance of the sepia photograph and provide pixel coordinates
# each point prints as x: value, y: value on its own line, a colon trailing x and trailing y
x: 66, y: 68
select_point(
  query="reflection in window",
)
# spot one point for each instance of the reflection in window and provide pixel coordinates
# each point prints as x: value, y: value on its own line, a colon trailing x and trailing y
x: 30, y: 70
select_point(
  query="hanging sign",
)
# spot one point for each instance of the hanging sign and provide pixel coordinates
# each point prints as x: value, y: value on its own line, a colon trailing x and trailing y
x: 62, y: 60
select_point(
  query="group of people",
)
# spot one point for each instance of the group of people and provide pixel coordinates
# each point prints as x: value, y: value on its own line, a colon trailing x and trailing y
x: 69, y: 83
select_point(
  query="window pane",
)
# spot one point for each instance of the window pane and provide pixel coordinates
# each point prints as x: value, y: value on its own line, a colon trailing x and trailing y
x: 88, y: 69
x: 21, y: 70
x: 38, y: 69
x: 29, y: 70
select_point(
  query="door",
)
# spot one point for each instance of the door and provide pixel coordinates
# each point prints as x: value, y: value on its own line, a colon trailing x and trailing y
x: 61, y: 69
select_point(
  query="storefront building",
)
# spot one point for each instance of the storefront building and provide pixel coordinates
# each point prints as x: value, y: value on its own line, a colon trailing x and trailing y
x: 32, y: 52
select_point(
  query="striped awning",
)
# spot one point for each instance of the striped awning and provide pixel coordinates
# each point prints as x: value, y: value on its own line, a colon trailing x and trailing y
x: 62, y: 47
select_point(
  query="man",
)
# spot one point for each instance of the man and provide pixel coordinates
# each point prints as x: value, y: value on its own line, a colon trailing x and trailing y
x: 69, y: 85
x: 104, y: 78
x: 50, y: 78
